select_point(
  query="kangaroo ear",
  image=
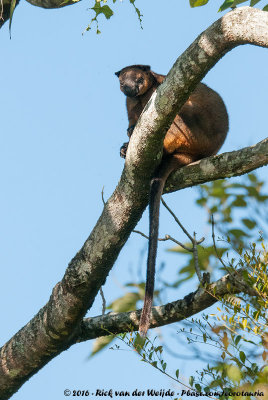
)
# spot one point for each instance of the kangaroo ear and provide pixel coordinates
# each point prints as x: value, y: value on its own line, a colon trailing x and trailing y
x: 117, y: 73
x: 159, y: 78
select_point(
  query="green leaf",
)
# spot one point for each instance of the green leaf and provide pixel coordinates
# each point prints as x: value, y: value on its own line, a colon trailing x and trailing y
x: 249, y: 223
x: 238, y: 233
x: 105, y: 10
x: 198, y: 387
x: 139, y: 342
x: 236, y: 2
x: 191, y: 380
x: 226, y: 4
x: 99, y: 9
x: 198, y: 3
x: 159, y: 348
x: 237, y: 340
x: 125, y: 303
x: 252, y: 177
x: 242, y: 356
x: 137, y: 11
x: 234, y: 373
x: 179, y: 249
x: 265, y: 8
x: 252, y: 191
x: 239, y: 202
x: 263, y: 198
x: 202, y: 201
x: 100, y: 343
x: 219, y: 192
x: 177, y: 373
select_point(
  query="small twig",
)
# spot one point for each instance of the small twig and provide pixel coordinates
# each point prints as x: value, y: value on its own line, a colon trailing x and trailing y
x: 206, y: 277
x: 103, y: 301
x: 215, y: 247
x: 196, y: 263
x: 167, y: 237
x: 195, y: 243
x: 181, y: 226
x: 142, y: 234
x: 247, y: 289
x: 102, y: 196
x: 176, y: 219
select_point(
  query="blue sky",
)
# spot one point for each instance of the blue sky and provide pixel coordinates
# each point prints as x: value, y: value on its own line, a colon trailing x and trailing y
x: 63, y: 122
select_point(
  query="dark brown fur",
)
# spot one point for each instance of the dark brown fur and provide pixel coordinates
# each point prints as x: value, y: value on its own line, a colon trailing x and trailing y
x: 198, y: 131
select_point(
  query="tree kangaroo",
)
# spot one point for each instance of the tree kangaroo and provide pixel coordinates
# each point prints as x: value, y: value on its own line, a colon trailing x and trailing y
x: 198, y: 131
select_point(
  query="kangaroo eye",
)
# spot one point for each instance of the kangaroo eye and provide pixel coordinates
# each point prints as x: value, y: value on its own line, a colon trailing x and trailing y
x: 140, y: 80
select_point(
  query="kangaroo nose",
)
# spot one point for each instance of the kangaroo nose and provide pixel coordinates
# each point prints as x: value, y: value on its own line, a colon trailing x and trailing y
x: 129, y: 91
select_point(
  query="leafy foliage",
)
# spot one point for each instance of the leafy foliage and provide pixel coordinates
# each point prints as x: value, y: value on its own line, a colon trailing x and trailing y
x: 240, y: 212
x: 240, y: 334
x: 237, y: 333
x: 227, y: 3
x: 149, y: 353
x: 228, y: 199
x: 104, y: 7
x: 198, y: 3
x: 100, y: 343
x: 101, y: 7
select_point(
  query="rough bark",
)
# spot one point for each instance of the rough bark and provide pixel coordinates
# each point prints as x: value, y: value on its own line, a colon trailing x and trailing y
x: 209, y: 169
x: 58, y: 324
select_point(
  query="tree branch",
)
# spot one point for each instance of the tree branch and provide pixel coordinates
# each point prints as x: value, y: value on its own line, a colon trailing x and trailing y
x: 193, y: 303
x: 52, y: 3
x: 5, y: 6
x: 225, y: 165
x: 57, y: 325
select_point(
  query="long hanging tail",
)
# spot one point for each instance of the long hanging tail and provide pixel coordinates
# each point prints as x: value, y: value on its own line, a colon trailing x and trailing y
x: 156, y: 189
x: 157, y: 185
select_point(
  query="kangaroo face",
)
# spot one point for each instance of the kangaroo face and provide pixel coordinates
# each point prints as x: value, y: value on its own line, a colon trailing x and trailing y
x: 135, y: 80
